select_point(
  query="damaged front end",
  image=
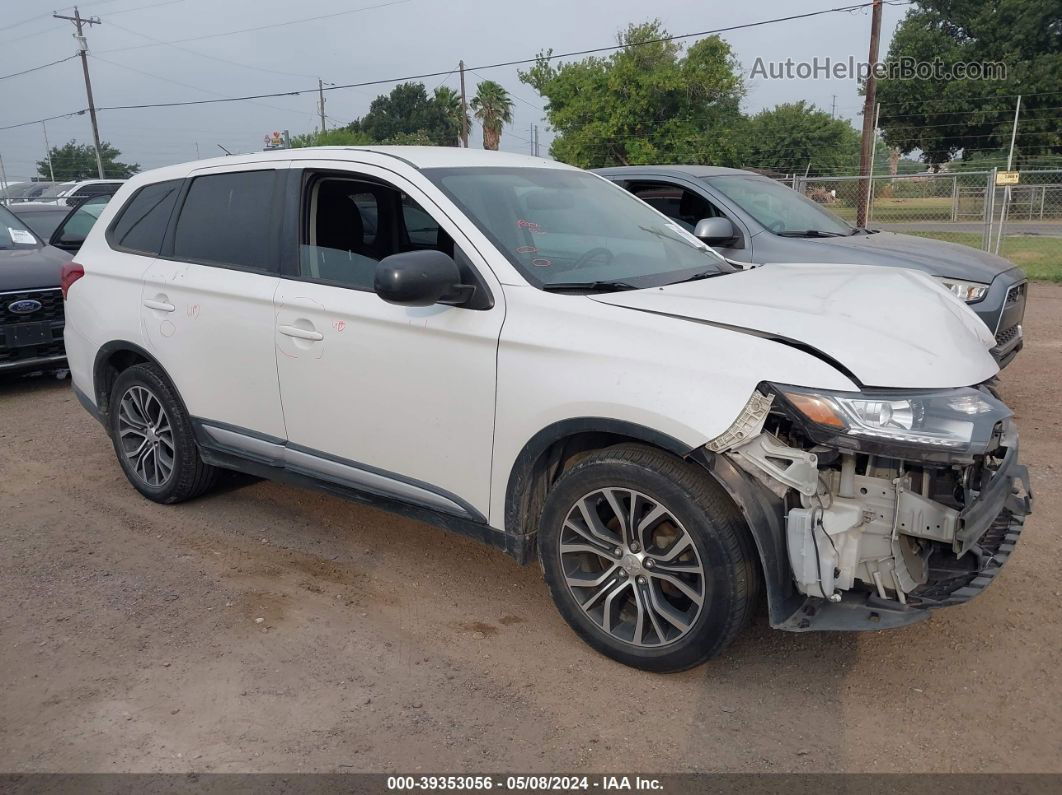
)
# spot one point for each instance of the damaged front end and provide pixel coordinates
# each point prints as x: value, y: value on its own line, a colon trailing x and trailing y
x: 892, y: 502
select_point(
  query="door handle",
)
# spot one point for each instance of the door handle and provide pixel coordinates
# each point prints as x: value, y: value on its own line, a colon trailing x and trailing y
x: 161, y: 306
x: 301, y: 333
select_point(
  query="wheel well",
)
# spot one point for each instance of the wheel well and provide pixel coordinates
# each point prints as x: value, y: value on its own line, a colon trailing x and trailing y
x: 110, y: 363
x: 556, y: 449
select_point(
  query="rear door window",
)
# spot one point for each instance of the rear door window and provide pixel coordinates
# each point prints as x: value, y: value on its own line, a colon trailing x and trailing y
x: 141, y: 226
x: 225, y: 220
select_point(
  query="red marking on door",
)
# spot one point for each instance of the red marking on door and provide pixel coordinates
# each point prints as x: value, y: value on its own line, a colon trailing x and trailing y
x: 339, y: 325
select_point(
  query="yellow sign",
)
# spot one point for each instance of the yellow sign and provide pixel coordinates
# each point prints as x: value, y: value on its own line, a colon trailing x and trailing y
x: 1006, y: 177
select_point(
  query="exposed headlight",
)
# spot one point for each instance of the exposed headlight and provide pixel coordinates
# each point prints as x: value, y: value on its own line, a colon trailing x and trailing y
x: 967, y: 291
x: 951, y: 420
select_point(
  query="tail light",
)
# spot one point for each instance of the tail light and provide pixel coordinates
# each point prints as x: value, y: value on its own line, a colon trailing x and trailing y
x: 68, y: 274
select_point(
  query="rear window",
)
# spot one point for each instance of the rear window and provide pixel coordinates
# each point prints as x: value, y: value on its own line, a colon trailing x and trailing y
x: 142, y: 223
x: 225, y: 220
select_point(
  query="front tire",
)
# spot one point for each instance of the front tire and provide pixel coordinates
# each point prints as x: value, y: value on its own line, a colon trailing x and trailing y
x: 153, y: 438
x: 647, y: 559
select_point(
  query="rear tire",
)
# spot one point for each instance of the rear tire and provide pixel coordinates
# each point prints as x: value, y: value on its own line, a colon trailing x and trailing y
x: 153, y: 438
x: 666, y: 595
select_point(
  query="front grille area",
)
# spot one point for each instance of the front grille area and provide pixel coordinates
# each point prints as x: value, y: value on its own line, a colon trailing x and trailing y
x: 953, y: 581
x: 1016, y: 293
x: 1006, y: 336
x: 50, y: 313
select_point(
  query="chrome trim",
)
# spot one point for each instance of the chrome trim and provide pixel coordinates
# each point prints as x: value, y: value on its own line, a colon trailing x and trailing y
x: 345, y: 473
x: 354, y: 476
x: 34, y: 290
x: 1006, y: 299
x: 259, y: 448
x: 19, y: 364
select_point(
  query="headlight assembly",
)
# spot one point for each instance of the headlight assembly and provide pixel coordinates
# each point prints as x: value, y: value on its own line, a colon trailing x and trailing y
x: 964, y: 290
x: 951, y: 421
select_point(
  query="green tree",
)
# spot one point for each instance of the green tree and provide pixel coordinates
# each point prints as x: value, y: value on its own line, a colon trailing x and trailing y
x: 73, y: 161
x: 645, y: 103
x: 796, y: 136
x: 349, y: 137
x: 340, y: 137
x: 943, y: 117
x: 494, y: 108
x: 450, y: 102
x: 408, y: 110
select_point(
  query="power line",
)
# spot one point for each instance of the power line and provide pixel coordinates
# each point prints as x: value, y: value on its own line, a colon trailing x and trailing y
x: 263, y: 27
x: 38, y: 68
x: 517, y: 62
x: 204, y: 55
x: 81, y: 112
x: 185, y: 85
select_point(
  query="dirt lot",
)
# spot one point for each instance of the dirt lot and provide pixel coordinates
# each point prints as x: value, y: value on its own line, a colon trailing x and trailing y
x: 265, y: 628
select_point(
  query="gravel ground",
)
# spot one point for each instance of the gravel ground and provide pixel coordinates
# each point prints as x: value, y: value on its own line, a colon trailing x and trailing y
x: 265, y: 628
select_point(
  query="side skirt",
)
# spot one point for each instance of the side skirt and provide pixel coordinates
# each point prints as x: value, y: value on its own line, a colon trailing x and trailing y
x: 226, y: 457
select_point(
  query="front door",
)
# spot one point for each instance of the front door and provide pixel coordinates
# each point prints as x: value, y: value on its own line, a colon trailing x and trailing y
x: 390, y: 399
x: 686, y: 207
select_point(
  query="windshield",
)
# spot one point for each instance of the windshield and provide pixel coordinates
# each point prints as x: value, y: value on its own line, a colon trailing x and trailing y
x: 14, y: 233
x: 560, y: 227
x: 779, y: 209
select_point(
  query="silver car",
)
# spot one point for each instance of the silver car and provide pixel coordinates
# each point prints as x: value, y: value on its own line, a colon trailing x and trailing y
x: 746, y: 216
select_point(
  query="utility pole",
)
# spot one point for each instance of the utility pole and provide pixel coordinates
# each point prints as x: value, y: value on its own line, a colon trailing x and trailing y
x: 865, y: 155
x: 833, y: 108
x: 464, y: 108
x: 48, y: 152
x: 1010, y: 164
x: 535, y: 138
x: 82, y: 46
x: 320, y: 93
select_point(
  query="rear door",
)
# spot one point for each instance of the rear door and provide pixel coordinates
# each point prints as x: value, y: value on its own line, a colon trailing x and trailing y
x: 207, y: 303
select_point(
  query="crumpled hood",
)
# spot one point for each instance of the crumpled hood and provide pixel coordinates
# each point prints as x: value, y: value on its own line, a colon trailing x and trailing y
x: 30, y: 268
x: 936, y: 257
x: 890, y: 327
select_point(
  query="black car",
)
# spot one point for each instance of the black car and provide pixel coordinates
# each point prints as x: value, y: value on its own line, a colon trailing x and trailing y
x: 43, y: 219
x: 31, y: 303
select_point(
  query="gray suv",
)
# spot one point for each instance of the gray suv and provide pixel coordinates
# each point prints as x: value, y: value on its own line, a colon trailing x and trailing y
x: 750, y: 217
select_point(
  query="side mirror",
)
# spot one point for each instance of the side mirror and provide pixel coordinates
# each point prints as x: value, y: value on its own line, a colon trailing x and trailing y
x: 420, y: 278
x: 715, y: 230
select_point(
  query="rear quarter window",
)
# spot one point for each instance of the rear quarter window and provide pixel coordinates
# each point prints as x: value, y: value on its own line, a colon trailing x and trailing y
x: 141, y: 223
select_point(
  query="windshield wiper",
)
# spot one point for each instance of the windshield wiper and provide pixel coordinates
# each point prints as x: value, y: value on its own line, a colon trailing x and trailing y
x: 703, y: 275
x: 590, y: 286
x: 809, y: 233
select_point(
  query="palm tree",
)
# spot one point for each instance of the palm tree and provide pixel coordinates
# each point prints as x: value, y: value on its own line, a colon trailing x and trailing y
x: 450, y: 102
x: 493, y: 108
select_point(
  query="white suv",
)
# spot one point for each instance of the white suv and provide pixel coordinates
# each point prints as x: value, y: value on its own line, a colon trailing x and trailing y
x: 519, y: 351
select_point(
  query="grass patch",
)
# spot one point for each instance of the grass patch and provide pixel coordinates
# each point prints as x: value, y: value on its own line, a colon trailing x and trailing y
x: 1039, y: 257
x: 898, y: 210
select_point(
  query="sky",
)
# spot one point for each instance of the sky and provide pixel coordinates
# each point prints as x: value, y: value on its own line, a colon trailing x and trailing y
x: 147, y: 51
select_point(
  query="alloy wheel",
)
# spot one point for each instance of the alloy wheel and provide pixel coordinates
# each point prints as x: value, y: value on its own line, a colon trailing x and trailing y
x: 146, y: 435
x: 632, y: 567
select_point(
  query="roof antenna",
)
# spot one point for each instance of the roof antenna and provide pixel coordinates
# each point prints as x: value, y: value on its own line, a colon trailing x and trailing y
x: 223, y: 149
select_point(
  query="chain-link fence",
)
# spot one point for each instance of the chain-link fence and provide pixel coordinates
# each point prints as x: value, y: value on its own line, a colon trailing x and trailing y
x: 1021, y: 222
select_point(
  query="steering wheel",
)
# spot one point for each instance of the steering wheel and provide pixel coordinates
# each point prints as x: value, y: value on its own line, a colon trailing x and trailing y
x: 776, y: 226
x: 586, y: 257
